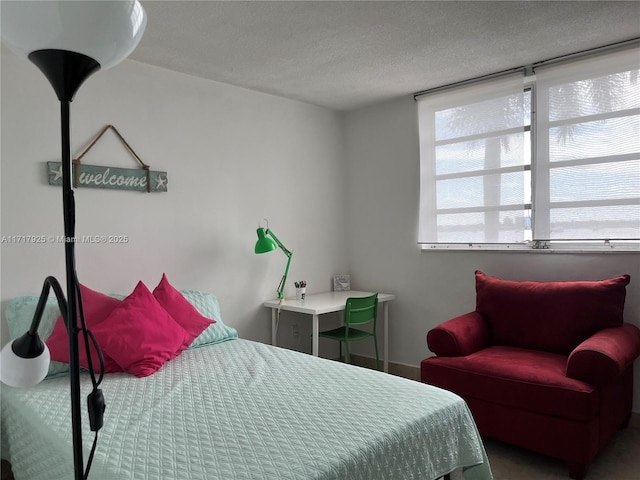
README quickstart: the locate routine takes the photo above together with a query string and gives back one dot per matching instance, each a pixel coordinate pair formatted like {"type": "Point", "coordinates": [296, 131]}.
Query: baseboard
{"type": "Point", "coordinates": [399, 369]}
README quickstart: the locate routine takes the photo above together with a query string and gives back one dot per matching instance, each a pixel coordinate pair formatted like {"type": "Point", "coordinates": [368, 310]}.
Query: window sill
{"type": "Point", "coordinates": [528, 248]}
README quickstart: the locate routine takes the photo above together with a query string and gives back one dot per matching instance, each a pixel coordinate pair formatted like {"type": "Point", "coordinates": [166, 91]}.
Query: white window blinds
{"type": "Point", "coordinates": [587, 184]}
{"type": "Point", "coordinates": [547, 161]}
{"type": "Point", "coordinates": [475, 164]}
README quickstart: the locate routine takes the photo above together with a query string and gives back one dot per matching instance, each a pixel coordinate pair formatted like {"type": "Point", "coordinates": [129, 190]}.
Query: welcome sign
{"type": "Point", "coordinates": [143, 179]}
{"type": "Point", "coordinates": [94, 176]}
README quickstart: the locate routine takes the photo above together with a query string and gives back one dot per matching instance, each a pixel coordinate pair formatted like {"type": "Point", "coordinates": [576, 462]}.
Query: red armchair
{"type": "Point", "coordinates": [547, 366]}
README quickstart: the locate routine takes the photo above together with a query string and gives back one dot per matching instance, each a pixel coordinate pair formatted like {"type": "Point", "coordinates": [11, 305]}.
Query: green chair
{"type": "Point", "coordinates": [357, 311]}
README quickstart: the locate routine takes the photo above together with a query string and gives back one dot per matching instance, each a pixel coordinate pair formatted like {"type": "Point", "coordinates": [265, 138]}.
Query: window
{"type": "Point", "coordinates": [533, 162]}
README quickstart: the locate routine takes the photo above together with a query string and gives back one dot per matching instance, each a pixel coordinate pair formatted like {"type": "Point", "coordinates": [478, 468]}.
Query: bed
{"type": "Point", "coordinates": [236, 409]}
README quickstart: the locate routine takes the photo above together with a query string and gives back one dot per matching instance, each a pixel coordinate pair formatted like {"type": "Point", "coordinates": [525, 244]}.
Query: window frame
{"type": "Point", "coordinates": [535, 245]}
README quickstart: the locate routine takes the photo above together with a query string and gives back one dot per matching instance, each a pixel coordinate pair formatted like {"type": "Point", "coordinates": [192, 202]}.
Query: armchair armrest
{"type": "Point", "coordinates": [605, 355]}
{"type": "Point", "coordinates": [459, 336]}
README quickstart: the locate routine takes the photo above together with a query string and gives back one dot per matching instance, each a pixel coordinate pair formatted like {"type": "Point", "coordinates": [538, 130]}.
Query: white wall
{"type": "Point", "coordinates": [233, 157]}
{"type": "Point", "coordinates": [383, 173]}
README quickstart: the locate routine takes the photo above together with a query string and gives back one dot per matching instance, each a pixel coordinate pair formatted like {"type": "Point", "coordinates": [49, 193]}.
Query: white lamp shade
{"type": "Point", "coordinates": [106, 31]}
{"type": "Point", "coordinates": [23, 372]}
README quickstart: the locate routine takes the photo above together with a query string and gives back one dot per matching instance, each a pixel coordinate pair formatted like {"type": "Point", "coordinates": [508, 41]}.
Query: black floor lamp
{"type": "Point", "coordinates": [68, 42]}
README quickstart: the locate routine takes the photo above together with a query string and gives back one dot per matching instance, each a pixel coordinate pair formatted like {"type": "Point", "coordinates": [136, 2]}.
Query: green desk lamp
{"type": "Point", "coordinates": [266, 244]}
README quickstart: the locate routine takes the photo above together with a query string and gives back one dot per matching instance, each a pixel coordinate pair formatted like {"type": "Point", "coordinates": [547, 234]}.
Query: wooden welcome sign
{"type": "Point", "coordinates": [141, 179]}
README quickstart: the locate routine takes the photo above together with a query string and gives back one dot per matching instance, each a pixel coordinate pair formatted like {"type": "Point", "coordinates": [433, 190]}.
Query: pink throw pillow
{"type": "Point", "coordinates": [140, 335]}
{"type": "Point", "coordinates": [97, 307]}
{"type": "Point", "coordinates": [180, 309]}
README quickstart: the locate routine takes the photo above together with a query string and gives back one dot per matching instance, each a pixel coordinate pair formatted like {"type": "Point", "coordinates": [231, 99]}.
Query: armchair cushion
{"type": "Point", "coordinates": [605, 355]}
{"type": "Point", "coordinates": [459, 336]}
{"type": "Point", "coordinates": [529, 380]}
{"type": "Point", "coordinates": [550, 316]}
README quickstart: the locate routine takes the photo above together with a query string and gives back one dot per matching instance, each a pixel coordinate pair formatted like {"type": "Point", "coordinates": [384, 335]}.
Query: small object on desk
{"type": "Point", "coordinates": [341, 283]}
{"type": "Point", "coordinates": [301, 289]}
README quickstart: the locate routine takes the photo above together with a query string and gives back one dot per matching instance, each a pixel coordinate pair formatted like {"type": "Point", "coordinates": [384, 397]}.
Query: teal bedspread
{"type": "Point", "coordinates": [245, 410]}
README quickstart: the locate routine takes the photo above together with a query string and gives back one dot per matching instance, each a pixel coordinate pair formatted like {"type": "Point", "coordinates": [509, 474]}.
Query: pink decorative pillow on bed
{"type": "Point", "coordinates": [97, 307]}
{"type": "Point", "coordinates": [140, 335]}
{"type": "Point", "coordinates": [180, 309]}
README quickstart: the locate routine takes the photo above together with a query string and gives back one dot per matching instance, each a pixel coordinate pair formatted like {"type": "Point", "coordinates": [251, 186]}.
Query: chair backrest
{"type": "Point", "coordinates": [549, 316]}
{"type": "Point", "coordinates": [359, 310]}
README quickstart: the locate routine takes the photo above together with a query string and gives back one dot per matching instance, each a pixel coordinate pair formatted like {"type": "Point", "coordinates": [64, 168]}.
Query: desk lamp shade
{"type": "Point", "coordinates": [24, 361]}
{"type": "Point", "coordinates": [264, 244]}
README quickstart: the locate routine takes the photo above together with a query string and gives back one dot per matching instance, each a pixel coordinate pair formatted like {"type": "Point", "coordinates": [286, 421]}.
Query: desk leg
{"type": "Point", "coordinates": [385, 364]}
{"type": "Point", "coordinates": [314, 348]}
{"type": "Point", "coordinates": [274, 326]}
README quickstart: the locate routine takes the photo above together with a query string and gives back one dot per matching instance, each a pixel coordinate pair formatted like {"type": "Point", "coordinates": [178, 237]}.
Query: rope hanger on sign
{"type": "Point", "coordinates": [76, 161]}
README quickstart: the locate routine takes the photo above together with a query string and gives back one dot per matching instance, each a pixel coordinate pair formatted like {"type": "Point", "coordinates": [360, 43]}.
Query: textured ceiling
{"type": "Point", "coordinates": [349, 54]}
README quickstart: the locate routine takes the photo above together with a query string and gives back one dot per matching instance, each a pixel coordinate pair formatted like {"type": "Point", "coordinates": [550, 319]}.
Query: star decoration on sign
{"type": "Point", "coordinates": [57, 174]}
{"type": "Point", "coordinates": [161, 183]}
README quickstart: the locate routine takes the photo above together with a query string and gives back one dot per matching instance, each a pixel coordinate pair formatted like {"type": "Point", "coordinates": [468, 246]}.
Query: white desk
{"type": "Point", "coordinates": [319, 303]}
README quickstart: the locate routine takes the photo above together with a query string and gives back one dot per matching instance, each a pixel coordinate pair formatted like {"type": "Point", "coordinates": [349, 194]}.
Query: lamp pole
{"type": "Point", "coordinates": [68, 206]}
{"type": "Point", "coordinates": [289, 254]}
{"type": "Point", "coordinates": [66, 71]}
